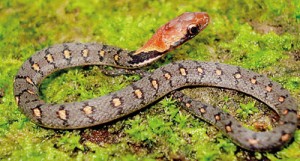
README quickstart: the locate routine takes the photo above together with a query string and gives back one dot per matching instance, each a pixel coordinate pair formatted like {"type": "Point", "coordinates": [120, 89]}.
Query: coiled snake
{"type": "Point", "coordinates": [154, 86]}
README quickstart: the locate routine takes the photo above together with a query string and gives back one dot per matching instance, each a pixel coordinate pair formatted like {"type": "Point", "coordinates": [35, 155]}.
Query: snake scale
{"type": "Point", "coordinates": [152, 87]}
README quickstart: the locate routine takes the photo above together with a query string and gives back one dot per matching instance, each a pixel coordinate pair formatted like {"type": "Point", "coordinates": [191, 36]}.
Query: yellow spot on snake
{"type": "Point", "coordinates": [285, 137]}
{"type": "Point", "coordinates": [200, 70]}
{"type": "Point", "coordinates": [202, 110]}
{"type": "Point", "coordinates": [167, 76]}
{"type": "Point", "coordinates": [182, 71]}
{"type": "Point", "coordinates": [219, 72]}
{"type": "Point", "coordinates": [37, 112]}
{"type": "Point", "coordinates": [67, 54]}
{"type": "Point", "coordinates": [17, 100]}
{"type": "Point", "coordinates": [85, 53]}
{"type": "Point", "coordinates": [188, 105]}
{"type": "Point", "coordinates": [285, 112]}
{"type": "Point", "coordinates": [269, 88]}
{"type": "Point", "coordinates": [62, 114]}
{"type": "Point", "coordinates": [238, 76]}
{"type": "Point", "coordinates": [253, 141]}
{"type": "Point", "coordinates": [36, 67]}
{"type": "Point", "coordinates": [138, 93]}
{"type": "Point", "coordinates": [29, 80]}
{"type": "Point", "coordinates": [116, 102]}
{"type": "Point", "coordinates": [228, 128]}
{"type": "Point", "coordinates": [179, 99]}
{"type": "Point", "coordinates": [88, 110]}
{"type": "Point", "coordinates": [154, 84]}
{"type": "Point", "coordinates": [116, 57]}
{"type": "Point", "coordinates": [217, 117]}
{"type": "Point", "coordinates": [253, 80]}
{"type": "Point", "coordinates": [49, 58]}
{"type": "Point", "coordinates": [30, 91]}
{"type": "Point", "coordinates": [281, 99]}
{"type": "Point", "coordinates": [102, 53]}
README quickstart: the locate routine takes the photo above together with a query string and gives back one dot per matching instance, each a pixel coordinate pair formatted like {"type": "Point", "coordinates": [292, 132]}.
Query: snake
{"type": "Point", "coordinates": [150, 88]}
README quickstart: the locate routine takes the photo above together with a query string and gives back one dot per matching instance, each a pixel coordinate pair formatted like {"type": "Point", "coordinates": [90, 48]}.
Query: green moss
{"type": "Point", "coordinates": [247, 109]}
{"type": "Point", "coordinates": [259, 51]}
{"type": "Point", "coordinates": [259, 35]}
{"type": "Point", "coordinates": [80, 85]}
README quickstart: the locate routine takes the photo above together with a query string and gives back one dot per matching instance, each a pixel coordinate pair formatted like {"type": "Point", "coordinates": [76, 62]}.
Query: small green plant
{"type": "Point", "coordinates": [246, 109]}
{"type": "Point", "coordinates": [139, 131]}
{"type": "Point", "coordinates": [69, 142]}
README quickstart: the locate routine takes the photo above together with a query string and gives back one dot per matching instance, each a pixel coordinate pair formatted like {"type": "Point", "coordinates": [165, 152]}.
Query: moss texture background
{"type": "Point", "coordinates": [263, 36]}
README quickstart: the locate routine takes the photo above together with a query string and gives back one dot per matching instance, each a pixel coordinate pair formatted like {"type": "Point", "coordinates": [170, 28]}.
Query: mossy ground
{"type": "Point", "coordinates": [259, 35]}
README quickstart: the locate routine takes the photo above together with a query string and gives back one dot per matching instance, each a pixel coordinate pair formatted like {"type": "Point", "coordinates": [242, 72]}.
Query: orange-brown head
{"type": "Point", "coordinates": [171, 35]}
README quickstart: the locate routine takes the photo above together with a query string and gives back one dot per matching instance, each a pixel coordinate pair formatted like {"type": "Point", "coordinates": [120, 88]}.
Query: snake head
{"type": "Point", "coordinates": [175, 32]}
{"type": "Point", "coordinates": [169, 36]}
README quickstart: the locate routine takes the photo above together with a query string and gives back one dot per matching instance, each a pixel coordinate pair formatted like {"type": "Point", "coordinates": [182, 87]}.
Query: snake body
{"type": "Point", "coordinates": [154, 86]}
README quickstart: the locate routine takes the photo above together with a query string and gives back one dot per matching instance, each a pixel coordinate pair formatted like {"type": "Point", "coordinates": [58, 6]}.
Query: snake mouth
{"type": "Point", "coordinates": [180, 41]}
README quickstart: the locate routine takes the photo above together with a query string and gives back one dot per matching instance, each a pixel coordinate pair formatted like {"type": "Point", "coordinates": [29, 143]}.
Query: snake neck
{"type": "Point", "coordinates": [144, 58]}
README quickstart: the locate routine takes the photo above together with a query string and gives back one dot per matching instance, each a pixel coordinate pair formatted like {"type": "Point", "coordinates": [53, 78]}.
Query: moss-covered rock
{"type": "Point", "coordinates": [259, 35]}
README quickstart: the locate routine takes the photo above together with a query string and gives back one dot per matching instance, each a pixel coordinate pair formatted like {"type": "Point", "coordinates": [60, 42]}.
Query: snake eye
{"type": "Point", "coordinates": [193, 29]}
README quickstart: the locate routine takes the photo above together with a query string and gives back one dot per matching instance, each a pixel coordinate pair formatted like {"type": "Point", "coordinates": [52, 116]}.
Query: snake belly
{"type": "Point", "coordinates": [152, 87]}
